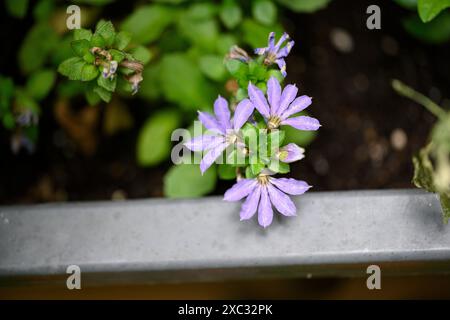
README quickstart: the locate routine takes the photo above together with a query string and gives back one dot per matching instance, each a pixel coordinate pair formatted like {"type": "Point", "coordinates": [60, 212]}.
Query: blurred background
{"type": "Point", "coordinates": [76, 151]}
{"type": "Point", "coordinates": [105, 151]}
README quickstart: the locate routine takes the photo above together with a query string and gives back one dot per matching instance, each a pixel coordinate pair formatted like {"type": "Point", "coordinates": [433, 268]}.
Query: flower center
{"type": "Point", "coordinates": [270, 58]}
{"type": "Point", "coordinates": [263, 179]}
{"type": "Point", "coordinates": [231, 138]}
{"type": "Point", "coordinates": [274, 122]}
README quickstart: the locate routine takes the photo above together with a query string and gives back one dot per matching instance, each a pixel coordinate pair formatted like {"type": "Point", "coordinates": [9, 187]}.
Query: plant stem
{"type": "Point", "coordinates": [412, 94]}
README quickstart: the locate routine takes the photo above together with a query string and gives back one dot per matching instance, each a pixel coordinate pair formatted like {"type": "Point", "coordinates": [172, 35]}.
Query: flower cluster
{"type": "Point", "coordinates": [253, 129]}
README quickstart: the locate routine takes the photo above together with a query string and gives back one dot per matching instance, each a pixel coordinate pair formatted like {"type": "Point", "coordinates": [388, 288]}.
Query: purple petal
{"type": "Point", "coordinates": [265, 212]}
{"type": "Point", "coordinates": [209, 122]}
{"type": "Point", "coordinates": [271, 41]}
{"type": "Point", "coordinates": [243, 111]}
{"type": "Point", "coordinates": [203, 142]}
{"type": "Point", "coordinates": [240, 190]}
{"type": "Point", "coordinates": [258, 100]}
{"type": "Point", "coordinates": [290, 186]}
{"type": "Point", "coordinates": [299, 104]}
{"type": "Point", "coordinates": [283, 53]}
{"type": "Point", "coordinates": [283, 38]}
{"type": "Point", "coordinates": [250, 205]}
{"type": "Point", "coordinates": [291, 153]}
{"type": "Point", "coordinates": [273, 94]}
{"type": "Point", "coordinates": [222, 113]}
{"type": "Point", "coordinates": [288, 95]}
{"type": "Point", "coordinates": [260, 51]}
{"type": "Point", "coordinates": [281, 201]}
{"type": "Point", "coordinates": [302, 123]}
{"type": "Point", "coordinates": [282, 65]}
{"type": "Point", "coordinates": [211, 156]}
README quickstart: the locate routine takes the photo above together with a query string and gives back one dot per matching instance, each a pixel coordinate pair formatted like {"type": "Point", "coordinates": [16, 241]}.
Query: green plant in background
{"type": "Point", "coordinates": [99, 58]}
{"type": "Point", "coordinates": [431, 23]}
{"type": "Point", "coordinates": [181, 43]}
{"type": "Point", "coordinates": [432, 164]}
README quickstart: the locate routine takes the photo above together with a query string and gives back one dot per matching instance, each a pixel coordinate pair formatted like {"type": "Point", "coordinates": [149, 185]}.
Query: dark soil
{"type": "Point", "coordinates": [359, 112]}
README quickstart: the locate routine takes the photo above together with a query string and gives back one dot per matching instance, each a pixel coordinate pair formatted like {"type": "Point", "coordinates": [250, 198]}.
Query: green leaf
{"type": "Point", "coordinates": [150, 88]}
{"type": "Point", "coordinates": [39, 42]}
{"type": "Point", "coordinates": [423, 171]}
{"type": "Point", "coordinates": [40, 83]}
{"type": "Point", "coordinates": [92, 97]}
{"type": "Point", "coordinates": [275, 139]}
{"type": "Point", "coordinates": [6, 93]}
{"type": "Point", "coordinates": [445, 205]}
{"type": "Point", "coordinates": [226, 172]}
{"type": "Point", "coordinates": [213, 67]}
{"type": "Point", "coordinates": [154, 144]}
{"type": "Point", "coordinates": [82, 34]}
{"type": "Point", "coordinates": [89, 57]}
{"type": "Point", "coordinates": [264, 11]}
{"type": "Point", "coordinates": [17, 8]}
{"type": "Point", "coordinates": [436, 31]}
{"type": "Point", "coordinates": [307, 6]}
{"type": "Point", "coordinates": [89, 72]}
{"type": "Point", "coordinates": [230, 14]}
{"type": "Point", "coordinates": [72, 68]}
{"type": "Point", "coordinates": [302, 138]}
{"type": "Point", "coordinates": [117, 55]}
{"type": "Point", "coordinates": [142, 54]}
{"type": "Point", "coordinates": [43, 10]}
{"type": "Point", "coordinates": [248, 173]}
{"type": "Point", "coordinates": [203, 33]}
{"type": "Point", "coordinates": [106, 30]}
{"type": "Point", "coordinates": [148, 22]}
{"type": "Point", "coordinates": [278, 166]}
{"type": "Point", "coordinates": [255, 165]}
{"type": "Point", "coordinates": [186, 181]}
{"type": "Point", "coordinates": [183, 83]}
{"type": "Point", "coordinates": [108, 84]}
{"type": "Point", "coordinates": [104, 94]}
{"type": "Point", "coordinates": [81, 47]}
{"type": "Point", "coordinates": [122, 40]}
{"type": "Point", "coordinates": [429, 9]}
{"type": "Point", "coordinates": [98, 41]}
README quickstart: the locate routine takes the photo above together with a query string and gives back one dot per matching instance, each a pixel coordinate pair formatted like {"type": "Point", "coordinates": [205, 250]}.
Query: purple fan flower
{"type": "Point", "coordinates": [290, 153]}
{"type": "Point", "coordinates": [274, 53]}
{"type": "Point", "coordinates": [263, 192]}
{"type": "Point", "coordinates": [224, 130]}
{"type": "Point", "coordinates": [279, 106]}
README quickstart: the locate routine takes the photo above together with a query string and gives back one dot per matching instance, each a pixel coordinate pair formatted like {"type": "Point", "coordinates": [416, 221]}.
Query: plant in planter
{"type": "Point", "coordinates": [432, 164]}
{"type": "Point", "coordinates": [102, 63]}
{"type": "Point", "coordinates": [253, 137]}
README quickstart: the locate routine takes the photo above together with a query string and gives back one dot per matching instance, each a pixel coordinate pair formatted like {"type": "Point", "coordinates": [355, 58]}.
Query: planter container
{"type": "Point", "coordinates": [159, 240]}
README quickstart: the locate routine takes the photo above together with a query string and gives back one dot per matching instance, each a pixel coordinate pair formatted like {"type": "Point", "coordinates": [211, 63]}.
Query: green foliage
{"type": "Point", "coordinates": [429, 9]}
{"type": "Point", "coordinates": [428, 25]}
{"type": "Point", "coordinates": [40, 83]}
{"type": "Point", "coordinates": [230, 14]}
{"type": "Point", "coordinates": [154, 144]}
{"type": "Point", "coordinates": [99, 54]}
{"type": "Point", "coordinates": [17, 8]}
{"type": "Point", "coordinates": [186, 181]}
{"type": "Point", "coordinates": [264, 11]}
{"type": "Point", "coordinates": [183, 42]}
{"type": "Point", "coordinates": [307, 6]}
{"type": "Point", "coordinates": [34, 51]}
{"type": "Point", "coordinates": [434, 32]}
{"type": "Point", "coordinates": [183, 83]}
{"type": "Point", "coordinates": [148, 22]}
{"type": "Point", "coordinates": [432, 164]}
